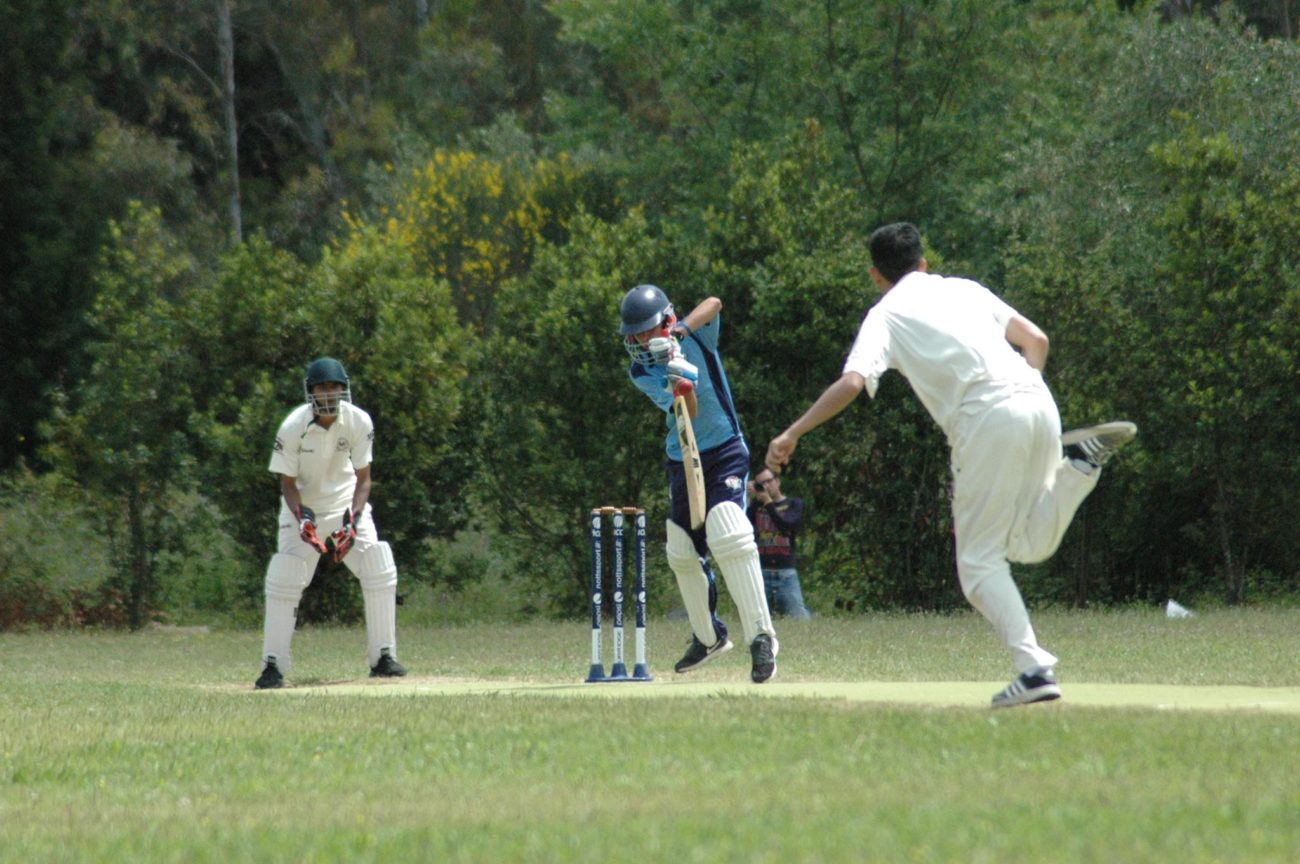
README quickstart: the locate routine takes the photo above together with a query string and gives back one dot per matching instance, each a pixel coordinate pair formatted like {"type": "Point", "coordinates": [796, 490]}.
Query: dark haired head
{"type": "Point", "coordinates": [896, 250]}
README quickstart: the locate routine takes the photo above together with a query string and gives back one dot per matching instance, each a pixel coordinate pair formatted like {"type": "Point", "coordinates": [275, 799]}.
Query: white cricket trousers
{"type": "Point", "coordinates": [1013, 498]}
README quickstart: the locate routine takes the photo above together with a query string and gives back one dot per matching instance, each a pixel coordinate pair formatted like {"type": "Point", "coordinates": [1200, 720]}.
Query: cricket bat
{"type": "Point", "coordinates": [690, 456]}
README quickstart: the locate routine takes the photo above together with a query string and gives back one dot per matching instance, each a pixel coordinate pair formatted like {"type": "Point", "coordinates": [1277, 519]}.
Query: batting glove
{"type": "Point", "coordinates": [340, 542]}
{"type": "Point", "coordinates": [662, 350]}
{"type": "Point", "coordinates": [307, 529]}
{"type": "Point", "coordinates": [679, 371]}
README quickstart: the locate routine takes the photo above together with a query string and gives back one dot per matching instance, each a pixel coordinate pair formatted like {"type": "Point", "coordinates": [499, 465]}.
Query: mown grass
{"type": "Point", "coordinates": [148, 747]}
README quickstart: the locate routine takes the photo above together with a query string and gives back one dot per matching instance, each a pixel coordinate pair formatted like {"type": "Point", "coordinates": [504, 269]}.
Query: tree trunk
{"type": "Point", "coordinates": [226, 47]}
{"type": "Point", "coordinates": [141, 589]}
{"type": "Point", "coordinates": [1234, 569]}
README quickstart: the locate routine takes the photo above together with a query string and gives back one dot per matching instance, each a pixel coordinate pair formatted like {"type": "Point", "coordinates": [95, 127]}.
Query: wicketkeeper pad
{"type": "Point", "coordinates": [286, 578]}
{"type": "Point", "coordinates": [375, 569]}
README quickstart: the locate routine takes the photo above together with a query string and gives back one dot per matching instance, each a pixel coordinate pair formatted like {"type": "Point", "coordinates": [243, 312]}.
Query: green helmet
{"type": "Point", "coordinates": [326, 370]}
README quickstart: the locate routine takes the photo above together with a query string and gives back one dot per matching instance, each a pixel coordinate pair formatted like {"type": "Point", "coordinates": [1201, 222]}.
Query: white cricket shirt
{"type": "Point", "coordinates": [947, 336]}
{"type": "Point", "coordinates": [324, 461]}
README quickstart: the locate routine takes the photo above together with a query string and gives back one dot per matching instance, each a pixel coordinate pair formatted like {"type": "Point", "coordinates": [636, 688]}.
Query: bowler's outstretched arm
{"type": "Point", "coordinates": [833, 400]}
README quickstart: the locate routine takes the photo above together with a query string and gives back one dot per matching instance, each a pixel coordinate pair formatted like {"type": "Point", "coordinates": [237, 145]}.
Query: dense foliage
{"type": "Point", "coordinates": [452, 197]}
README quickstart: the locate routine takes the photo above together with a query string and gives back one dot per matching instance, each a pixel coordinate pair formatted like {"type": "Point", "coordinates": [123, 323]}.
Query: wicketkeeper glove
{"type": "Point", "coordinates": [340, 542]}
{"type": "Point", "coordinates": [307, 529]}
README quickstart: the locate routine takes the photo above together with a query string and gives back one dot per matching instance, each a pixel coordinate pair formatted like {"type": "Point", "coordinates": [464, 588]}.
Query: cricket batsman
{"type": "Point", "coordinates": [661, 367]}
{"type": "Point", "coordinates": [323, 454]}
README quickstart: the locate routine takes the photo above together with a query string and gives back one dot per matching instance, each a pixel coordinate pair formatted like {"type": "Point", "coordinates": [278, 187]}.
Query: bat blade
{"type": "Point", "coordinates": [691, 461]}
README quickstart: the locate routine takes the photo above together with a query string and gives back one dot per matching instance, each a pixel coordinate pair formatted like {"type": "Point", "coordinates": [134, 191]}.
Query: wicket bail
{"type": "Point", "coordinates": [618, 671]}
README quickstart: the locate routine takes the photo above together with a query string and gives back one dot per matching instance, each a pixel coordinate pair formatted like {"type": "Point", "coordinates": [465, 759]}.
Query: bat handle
{"type": "Point", "coordinates": [682, 388]}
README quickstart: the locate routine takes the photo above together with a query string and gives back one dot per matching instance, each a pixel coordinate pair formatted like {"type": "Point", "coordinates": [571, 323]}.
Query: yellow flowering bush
{"type": "Point", "coordinates": [475, 221]}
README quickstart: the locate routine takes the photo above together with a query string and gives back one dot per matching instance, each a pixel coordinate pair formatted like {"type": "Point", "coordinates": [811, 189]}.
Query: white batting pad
{"type": "Point", "coordinates": [692, 582]}
{"type": "Point", "coordinates": [375, 569]}
{"type": "Point", "coordinates": [731, 540]}
{"type": "Point", "coordinates": [286, 578]}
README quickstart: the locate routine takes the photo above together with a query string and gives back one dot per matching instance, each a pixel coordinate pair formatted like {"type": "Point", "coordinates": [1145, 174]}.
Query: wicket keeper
{"type": "Point", "coordinates": [323, 455]}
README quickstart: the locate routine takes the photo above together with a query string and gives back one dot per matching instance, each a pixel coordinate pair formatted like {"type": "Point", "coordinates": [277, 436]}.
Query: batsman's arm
{"type": "Point", "coordinates": [701, 315]}
{"type": "Point", "coordinates": [833, 400]}
{"type": "Point", "coordinates": [1032, 342]}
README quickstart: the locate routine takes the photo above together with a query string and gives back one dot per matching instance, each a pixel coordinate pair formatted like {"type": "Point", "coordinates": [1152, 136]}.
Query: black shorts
{"type": "Point", "coordinates": [726, 471]}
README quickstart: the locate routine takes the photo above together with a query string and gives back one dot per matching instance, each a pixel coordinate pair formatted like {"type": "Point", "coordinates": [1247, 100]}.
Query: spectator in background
{"type": "Point", "coordinates": [776, 521]}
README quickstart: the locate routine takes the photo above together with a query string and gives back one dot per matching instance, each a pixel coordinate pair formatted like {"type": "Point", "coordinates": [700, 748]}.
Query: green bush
{"type": "Point", "coordinates": [55, 563]}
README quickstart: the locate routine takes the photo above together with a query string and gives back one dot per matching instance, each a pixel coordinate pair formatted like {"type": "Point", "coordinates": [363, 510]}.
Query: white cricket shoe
{"type": "Point", "coordinates": [1096, 444]}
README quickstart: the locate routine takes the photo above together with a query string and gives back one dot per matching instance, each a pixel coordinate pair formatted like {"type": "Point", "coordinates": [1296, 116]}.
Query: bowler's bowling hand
{"type": "Point", "coordinates": [780, 451]}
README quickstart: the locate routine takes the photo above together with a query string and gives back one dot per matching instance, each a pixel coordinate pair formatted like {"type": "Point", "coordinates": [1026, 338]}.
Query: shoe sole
{"type": "Point", "coordinates": [1118, 432]}
{"type": "Point", "coordinates": [714, 652]}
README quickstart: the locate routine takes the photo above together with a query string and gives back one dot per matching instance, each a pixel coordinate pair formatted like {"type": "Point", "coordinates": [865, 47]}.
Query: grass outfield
{"type": "Point", "coordinates": [152, 747]}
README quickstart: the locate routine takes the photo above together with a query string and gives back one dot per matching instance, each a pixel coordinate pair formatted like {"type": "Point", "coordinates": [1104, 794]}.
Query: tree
{"type": "Point", "coordinates": [1229, 285]}
{"type": "Point", "coordinates": [123, 434]}
{"type": "Point", "coordinates": [1125, 236]}
{"type": "Point", "coordinates": [914, 98]}
{"type": "Point", "coordinates": [66, 167]}
{"type": "Point", "coordinates": [226, 51]}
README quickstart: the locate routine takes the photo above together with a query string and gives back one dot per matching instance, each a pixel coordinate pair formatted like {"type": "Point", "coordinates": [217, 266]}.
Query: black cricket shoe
{"type": "Point", "coordinates": [270, 679]}
{"type": "Point", "coordinates": [387, 667]}
{"type": "Point", "coordinates": [1036, 686]}
{"type": "Point", "coordinates": [763, 651]}
{"type": "Point", "coordinates": [697, 654]}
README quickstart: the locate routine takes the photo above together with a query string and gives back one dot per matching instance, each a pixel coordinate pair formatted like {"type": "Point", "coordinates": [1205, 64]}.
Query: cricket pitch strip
{"type": "Point", "coordinates": [955, 694]}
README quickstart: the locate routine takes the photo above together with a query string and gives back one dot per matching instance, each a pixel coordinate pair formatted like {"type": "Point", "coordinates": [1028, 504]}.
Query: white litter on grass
{"type": "Point", "coordinates": [1174, 609]}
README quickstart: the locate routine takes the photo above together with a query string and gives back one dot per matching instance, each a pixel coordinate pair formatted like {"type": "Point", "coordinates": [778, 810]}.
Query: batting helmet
{"type": "Point", "coordinates": [643, 307]}
{"type": "Point", "coordinates": [326, 370]}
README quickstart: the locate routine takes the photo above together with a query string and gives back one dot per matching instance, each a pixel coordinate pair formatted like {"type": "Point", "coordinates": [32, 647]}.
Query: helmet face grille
{"type": "Point", "coordinates": [327, 404]}
{"type": "Point", "coordinates": [638, 352]}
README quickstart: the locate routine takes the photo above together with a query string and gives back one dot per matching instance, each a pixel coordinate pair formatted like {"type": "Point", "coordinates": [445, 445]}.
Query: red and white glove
{"type": "Point", "coordinates": [340, 542]}
{"type": "Point", "coordinates": [307, 529]}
